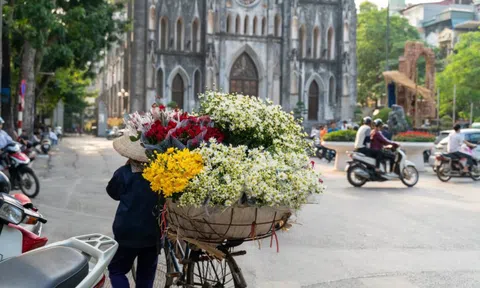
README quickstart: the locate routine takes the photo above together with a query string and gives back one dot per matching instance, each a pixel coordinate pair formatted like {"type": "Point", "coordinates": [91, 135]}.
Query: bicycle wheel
{"type": "Point", "coordinates": [206, 272]}
{"type": "Point", "coordinates": [164, 269]}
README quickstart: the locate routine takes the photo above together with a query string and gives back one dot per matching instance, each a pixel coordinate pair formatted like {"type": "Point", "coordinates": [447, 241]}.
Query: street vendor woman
{"type": "Point", "coordinates": [135, 227]}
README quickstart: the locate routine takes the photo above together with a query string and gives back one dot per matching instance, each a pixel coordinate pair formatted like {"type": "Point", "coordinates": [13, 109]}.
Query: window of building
{"type": "Point", "coordinates": [179, 34]}
{"type": "Point", "coordinates": [229, 23]}
{"type": "Point", "coordinates": [197, 89]}
{"type": "Point", "coordinates": [278, 26]}
{"type": "Point", "coordinates": [264, 26]}
{"type": "Point", "coordinates": [316, 43]}
{"type": "Point", "coordinates": [331, 92]}
{"type": "Point", "coordinates": [302, 41]}
{"type": "Point", "coordinates": [255, 24]}
{"type": "Point", "coordinates": [159, 83]}
{"type": "Point", "coordinates": [163, 33]}
{"type": "Point", "coordinates": [331, 44]}
{"type": "Point", "coordinates": [345, 32]}
{"type": "Point", "coordinates": [237, 25]}
{"type": "Point", "coordinates": [245, 25]}
{"type": "Point", "coordinates": [178, 91]}
{"type": "Point", "coordinates": [244, 76]}
{"type": "Point", "coordinates": [313, 95]}
{"type": "Point", "coordinates": [195, 36]}
{"type": "Point", "coordinates": [151, 20]}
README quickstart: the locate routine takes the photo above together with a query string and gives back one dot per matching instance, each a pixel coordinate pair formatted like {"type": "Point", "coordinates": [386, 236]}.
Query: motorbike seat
{"type": "Point", "coordinates": [59, 267]}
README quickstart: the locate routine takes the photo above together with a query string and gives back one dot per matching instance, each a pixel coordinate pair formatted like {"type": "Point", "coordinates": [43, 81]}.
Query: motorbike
{"type": "Point", "coordinates": [361, 169]}
{"type": "Point", "coordinates": [18, 165]}
{"type": "Point", "coordinates": [28, 148]}
{"type": "Point", "coordinates": [114, 133]}
{"type": "Point", "coordinates": [45, 145]}
{"type": "Point", "coordinates": [17, 237]}
{"type": "Point", "coordinates": [449, 165]}
{"type": "Point", "coordinates": [324, 152]}
{"type": "Point", "coordinates": [76, 262]}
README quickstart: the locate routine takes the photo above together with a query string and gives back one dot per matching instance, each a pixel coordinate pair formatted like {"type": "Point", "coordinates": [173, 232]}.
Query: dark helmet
{"type": "Point", "coordinates": [367, 120]}
{"type": "Point", "coordinates": [378, 122]}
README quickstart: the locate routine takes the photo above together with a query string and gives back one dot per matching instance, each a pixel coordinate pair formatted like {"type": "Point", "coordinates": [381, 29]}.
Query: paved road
{"type": "Point", "coordinates": [382, 235]}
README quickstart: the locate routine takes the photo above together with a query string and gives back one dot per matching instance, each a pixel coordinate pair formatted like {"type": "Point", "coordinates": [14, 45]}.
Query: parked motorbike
{"type": "Point", "coordinates": [77, 262]}
{"type": "Point", "coordinates": [20, 226]}
{"type": "Point", "coordinates": [45, 145]}
{"type": "Point", "coordinates": [28, 148]}
{"type": "Point", "coordinates": [19, 169]}
{"type": "Point", "coordinates": [323, 152]}
{"type": "Point", "coordinates": [114, 133]}
{"type": "Point", "coordinates": [5, 185]}
{"type": "Point", "coordinates": [362, 169]}
{"type": "Point", "coordinates": [449, 165]}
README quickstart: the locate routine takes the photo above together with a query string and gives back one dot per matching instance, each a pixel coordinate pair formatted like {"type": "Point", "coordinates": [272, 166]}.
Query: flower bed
{"type": "Point", "coordinates": [238, 152]}
{"type": "Point", "coordinates": [414, 136]}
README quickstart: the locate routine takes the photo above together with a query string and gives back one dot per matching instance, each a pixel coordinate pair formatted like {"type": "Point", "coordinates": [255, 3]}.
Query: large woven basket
{"type": "Point", "coordinates": [217, 224]}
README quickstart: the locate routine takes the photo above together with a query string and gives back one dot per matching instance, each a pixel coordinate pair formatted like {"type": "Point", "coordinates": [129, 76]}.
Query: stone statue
{"type": "Point", "coordinates": [397, 122]}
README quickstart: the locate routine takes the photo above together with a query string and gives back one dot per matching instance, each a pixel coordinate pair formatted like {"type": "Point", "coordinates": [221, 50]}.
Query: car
{"type": "Point", "coordinates": [476, 125]}
{"type": "Point", "coordinates": [472, 135]}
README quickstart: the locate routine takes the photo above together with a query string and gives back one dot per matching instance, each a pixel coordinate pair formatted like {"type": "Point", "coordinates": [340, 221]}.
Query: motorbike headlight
{"type": "Point", "coordinates": [11, 213]}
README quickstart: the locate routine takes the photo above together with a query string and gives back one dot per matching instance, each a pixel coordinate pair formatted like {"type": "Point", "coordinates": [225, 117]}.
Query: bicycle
{"type": "Point", "coordinates": [185, 264]}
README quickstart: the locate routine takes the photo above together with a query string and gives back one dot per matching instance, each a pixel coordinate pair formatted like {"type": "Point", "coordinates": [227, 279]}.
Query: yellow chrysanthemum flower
{"type": "Point", "coordinates": [171, 171]}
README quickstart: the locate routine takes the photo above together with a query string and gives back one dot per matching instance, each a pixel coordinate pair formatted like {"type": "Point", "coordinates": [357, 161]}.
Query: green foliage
{"type": "Point", "coordinates": [300, 110]}
{"type": "Point", "coordinates": [358, 114]}
{"type": "Point", "coordinates": [462, 69]}
{"type": "Point", "coordinates": [383, 114]}
{"type": "Point", "coordinates": [446, 122]}
{"type": "Point", "coordinates": [340, 136]}
{"type": "Point", "coordinates": [371, 35]}
{"type": "Point", "coordinates": [172, 105]}
{"type": "Point", "coordinates": [68, 37]}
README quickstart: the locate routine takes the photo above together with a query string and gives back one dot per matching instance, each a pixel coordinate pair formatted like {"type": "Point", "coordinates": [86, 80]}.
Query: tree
{"type": "Point", "coordinates": [50, 35]}
{"type": "Point", "coordinates": [462, 69]}
{"type": "Point", "coordinates": [371, 35]}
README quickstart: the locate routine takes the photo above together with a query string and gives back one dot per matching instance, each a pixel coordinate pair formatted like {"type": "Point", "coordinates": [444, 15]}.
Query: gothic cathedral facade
{"type": "Point", "coordinates": [288, 51]}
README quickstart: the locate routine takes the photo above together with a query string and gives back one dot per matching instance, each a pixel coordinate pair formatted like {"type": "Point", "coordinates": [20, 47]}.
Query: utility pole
{"type": "Point", "coordinates": [438, 107]}
{"type": "Point", "coordinates": [454, 101]}
{"type": "Point", "coordinates": [471, 114]}
{"type": "Point", "coordinates": [387, 36]}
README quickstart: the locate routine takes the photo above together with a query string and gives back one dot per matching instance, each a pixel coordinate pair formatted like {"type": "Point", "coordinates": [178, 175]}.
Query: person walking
{"type": "Point", "coordinates": [135, 226]}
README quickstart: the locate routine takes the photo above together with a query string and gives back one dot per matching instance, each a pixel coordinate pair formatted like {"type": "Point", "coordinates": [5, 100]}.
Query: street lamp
{"type": "Point", "coordinates": [123, 95]}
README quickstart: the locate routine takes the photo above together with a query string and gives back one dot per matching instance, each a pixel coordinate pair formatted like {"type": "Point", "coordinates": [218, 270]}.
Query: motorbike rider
{"type": "Point", "coordinates": [362, 139]}
{"type": "Point", "coordinates": [5, 139]}
{"type": "Point", "coordinates": [379, 142]}
{"type": "Point", "coordinates": [455, 141]}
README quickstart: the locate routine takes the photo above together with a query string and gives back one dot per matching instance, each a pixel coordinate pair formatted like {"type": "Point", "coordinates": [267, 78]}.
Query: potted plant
{"type": "Point", "coordinates": [415, 143]}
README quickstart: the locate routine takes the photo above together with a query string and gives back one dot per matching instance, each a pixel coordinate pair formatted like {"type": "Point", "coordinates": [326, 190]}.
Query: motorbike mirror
{"type": "Point", "coordinates": [36, 215]}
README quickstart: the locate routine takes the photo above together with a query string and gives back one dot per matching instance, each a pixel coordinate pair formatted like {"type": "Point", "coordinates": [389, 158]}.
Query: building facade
{"type": "Point", "coordinates": [288, 51]}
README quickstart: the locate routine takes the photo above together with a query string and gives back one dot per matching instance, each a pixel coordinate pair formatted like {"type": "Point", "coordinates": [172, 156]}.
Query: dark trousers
{"type": "Point", "coordinates": [461, 155]}
{"type": "Point", "coordinates": [378, 155]}
{"type": "Point", "coordinates": [122, 264]}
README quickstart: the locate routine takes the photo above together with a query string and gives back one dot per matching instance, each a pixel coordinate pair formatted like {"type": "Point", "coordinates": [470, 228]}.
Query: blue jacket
{"type": "Point", "coordinates": [135, 225]}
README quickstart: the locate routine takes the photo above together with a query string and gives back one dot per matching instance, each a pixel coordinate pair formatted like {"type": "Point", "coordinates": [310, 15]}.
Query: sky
{"type": "Point", "coordinates": [383, 3]}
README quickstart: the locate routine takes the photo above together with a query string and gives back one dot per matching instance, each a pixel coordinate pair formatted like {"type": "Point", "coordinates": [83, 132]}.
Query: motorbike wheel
{"type": "Point", "coordinates": [354, 179]}
{"type": "Point", "coordinates": [28, 180]}
{"type": "Point", "coordinates": [440, 173]}
{"type": "Point", "coordinates": [412, 178]}
{"type": "Point", "coordinates": [475, 176]}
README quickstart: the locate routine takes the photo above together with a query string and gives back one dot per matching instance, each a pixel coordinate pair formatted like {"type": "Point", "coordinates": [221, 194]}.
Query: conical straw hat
{"type": "Point", "coordinates": [132, 150]}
